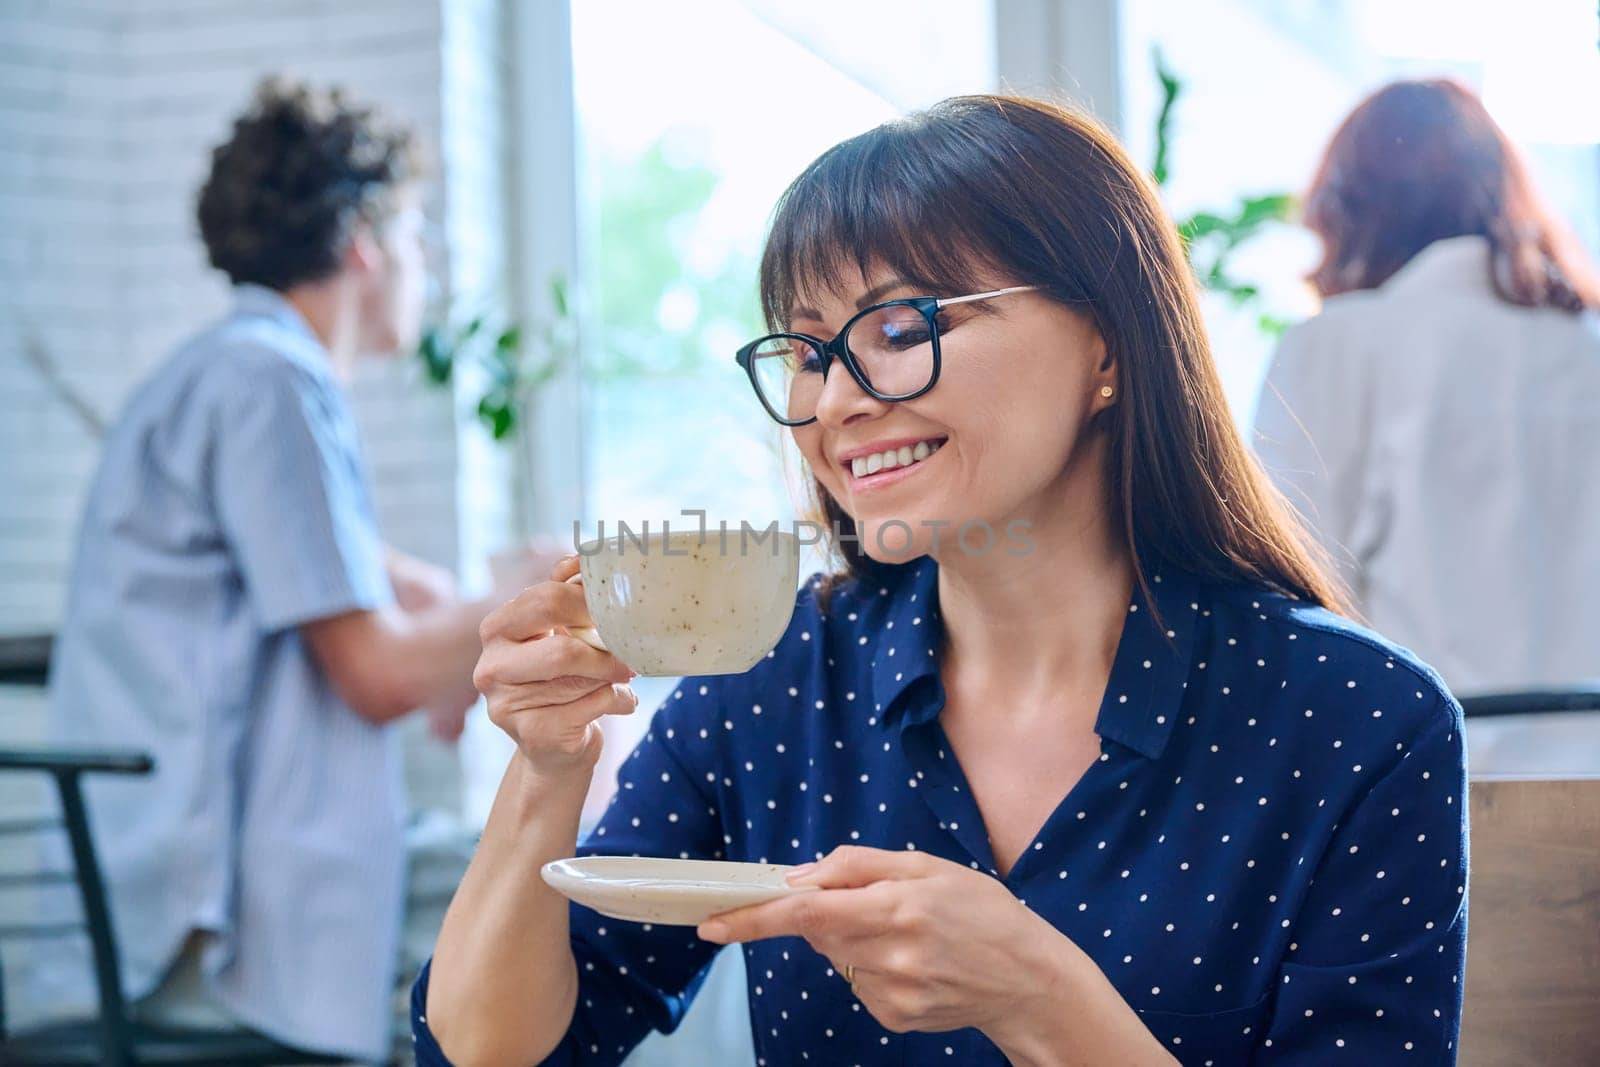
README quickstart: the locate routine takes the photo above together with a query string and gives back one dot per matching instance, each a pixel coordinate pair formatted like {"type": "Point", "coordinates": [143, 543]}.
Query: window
{"type": "Point", "coordinates": [690, 126]}
{"type": "Point", "coordinates": [1267, 83]}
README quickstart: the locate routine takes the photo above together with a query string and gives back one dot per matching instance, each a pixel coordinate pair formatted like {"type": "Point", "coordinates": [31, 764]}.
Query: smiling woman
{"type": "Point", "coordinates": [1134, 763]}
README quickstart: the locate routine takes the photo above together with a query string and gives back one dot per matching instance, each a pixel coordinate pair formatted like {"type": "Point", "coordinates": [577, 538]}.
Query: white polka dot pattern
{"type": "Point", "coordinates": [1267, 860]}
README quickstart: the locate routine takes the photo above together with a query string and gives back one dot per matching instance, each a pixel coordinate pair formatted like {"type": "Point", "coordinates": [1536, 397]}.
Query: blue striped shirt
{"type": "Point", "coordinates": [231, 505]}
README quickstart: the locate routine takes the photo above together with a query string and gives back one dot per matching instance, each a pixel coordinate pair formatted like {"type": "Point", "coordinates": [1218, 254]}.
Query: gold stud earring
{"type": "Point", "coordinates": [1106, 391]}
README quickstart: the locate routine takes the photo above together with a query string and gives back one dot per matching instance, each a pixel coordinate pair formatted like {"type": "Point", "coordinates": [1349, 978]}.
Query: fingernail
{"type": "Point", "coordinates": [713, 930]}
{"type": "Point", "coordinates": [800, 872]}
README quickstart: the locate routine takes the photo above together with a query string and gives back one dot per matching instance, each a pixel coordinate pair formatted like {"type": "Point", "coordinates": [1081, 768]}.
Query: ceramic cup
{"type": "Point", "coordinates": [684, 604]}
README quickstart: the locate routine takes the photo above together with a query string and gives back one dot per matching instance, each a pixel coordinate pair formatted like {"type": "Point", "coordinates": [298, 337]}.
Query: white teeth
{"type": "Point", "coordinates": [903, 456]}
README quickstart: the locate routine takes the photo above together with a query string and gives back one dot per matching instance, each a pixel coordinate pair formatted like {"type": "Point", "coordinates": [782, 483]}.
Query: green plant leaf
{"type": "Point", "coordinates": [558, 295]}
{"type": "Point", "coordinates": [1202, 224]}
{"type": "Point", "coordinates": [1272, 325]}
{"type": "Point", "coordinates": [497, 410]}
{"type": "Point", "coordinates": [437, 358]}
{"type": "Point", "coordinates": [1210, 237]}
{"type": "Point", "coordinates": [1171, 88]}
{"type": "Point", "coordinates": [1276, 207]}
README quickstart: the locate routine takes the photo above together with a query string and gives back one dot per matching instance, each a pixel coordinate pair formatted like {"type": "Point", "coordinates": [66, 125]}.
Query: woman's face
{"type": "Point", "coordinates": [1008, 425]}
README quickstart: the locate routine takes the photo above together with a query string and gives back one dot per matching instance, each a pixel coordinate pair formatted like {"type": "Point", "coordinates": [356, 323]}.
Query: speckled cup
{"type": "Point", "coordinates": [687, 604]}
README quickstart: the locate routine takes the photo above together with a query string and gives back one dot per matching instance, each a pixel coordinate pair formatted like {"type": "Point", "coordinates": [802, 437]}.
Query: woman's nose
{"type": "Point", "coordinates": [842, 398]}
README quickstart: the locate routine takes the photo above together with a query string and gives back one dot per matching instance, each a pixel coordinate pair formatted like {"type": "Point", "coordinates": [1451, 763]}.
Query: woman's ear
{"type": "Point", "coordinates": [1103, 383]}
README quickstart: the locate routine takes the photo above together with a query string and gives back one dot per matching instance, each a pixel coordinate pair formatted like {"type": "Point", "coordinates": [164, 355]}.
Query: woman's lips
{"type": "Point", "coordinates": [884, 478]}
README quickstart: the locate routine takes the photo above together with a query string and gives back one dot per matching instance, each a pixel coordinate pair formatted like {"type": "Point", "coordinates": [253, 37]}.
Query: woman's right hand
{"type": "Point", "coordinates": [544, 687]}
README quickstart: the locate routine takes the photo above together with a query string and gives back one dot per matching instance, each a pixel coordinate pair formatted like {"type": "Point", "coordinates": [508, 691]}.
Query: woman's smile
{"type": "Point", "coordinates": [885, 463]}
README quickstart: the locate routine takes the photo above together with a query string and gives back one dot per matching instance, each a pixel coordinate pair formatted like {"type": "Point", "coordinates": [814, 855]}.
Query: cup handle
{"type": "Point", "coordinates": [587, 634]}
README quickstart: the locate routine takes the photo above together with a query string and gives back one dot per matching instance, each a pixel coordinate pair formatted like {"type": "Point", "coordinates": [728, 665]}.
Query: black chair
{"type": "Point", "coordinates": [25, 659]}
{"type": "Point", "coordinates": [1532, 702]}
{"type": "Point", "coordinates": [112, 1039]}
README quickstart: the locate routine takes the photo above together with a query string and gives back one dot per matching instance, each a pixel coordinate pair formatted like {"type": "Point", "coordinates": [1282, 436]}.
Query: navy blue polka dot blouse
{"type": "Point", "coordinates": [1268, 859]}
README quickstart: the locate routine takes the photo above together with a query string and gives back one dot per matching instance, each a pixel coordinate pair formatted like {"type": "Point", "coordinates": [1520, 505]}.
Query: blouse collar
{"type": "Point", "coordinates": [1148, 675]}
{"type": "Point", "coordinates": [1461, 262]}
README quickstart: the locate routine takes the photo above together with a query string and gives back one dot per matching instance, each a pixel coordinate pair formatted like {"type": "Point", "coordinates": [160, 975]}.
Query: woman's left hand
{"type": "Point", "coordinates": [931, 945]}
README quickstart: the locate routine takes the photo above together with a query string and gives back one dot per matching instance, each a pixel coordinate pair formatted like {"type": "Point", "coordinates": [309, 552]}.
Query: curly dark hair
{"type": "Point", "coordinates": [300, 169]}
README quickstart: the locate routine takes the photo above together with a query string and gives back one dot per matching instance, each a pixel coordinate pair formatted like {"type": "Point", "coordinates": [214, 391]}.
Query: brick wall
{"type": "Point", "coordinates": [58, 83]}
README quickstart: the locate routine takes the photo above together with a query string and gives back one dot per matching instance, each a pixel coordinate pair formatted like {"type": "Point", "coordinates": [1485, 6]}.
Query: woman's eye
{"type": "Point", "coordinates": [910, 335]}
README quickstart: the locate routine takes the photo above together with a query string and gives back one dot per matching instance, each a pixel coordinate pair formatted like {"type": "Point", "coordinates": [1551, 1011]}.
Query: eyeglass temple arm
{"type": "Point", "coordinates": [948, 301]}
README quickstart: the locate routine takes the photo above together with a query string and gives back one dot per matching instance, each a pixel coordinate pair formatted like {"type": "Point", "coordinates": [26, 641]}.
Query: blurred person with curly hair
{"type": "Point", "coordinates": [234, 612]}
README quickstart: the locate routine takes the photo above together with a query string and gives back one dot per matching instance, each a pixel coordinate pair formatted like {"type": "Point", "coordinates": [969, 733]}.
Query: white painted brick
{"type": "Point", "coordinates": [177, 31]}
{"type": "Point", "coordinates": [30, 113]}
{"type": "Point", "coordinates": [50, 31]}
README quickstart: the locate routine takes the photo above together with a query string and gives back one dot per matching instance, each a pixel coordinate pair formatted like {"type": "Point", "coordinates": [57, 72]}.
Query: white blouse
{"type": "Point", "coordinates": [1445, 445]}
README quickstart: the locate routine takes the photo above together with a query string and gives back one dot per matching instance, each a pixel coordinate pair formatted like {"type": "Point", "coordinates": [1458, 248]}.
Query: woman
{"type": "Point", "coordinates": [1436, 421]}
{"type": "Point", "coordinates": [1128, 793]}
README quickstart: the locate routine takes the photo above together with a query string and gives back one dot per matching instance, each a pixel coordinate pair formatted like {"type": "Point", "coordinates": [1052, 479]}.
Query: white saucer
{"type": "Point", "coordinates": [666, 891]}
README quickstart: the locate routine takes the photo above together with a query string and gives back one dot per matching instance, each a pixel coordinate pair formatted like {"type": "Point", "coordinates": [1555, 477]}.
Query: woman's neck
{"type": "Point", "coordinates": [1049, 619]}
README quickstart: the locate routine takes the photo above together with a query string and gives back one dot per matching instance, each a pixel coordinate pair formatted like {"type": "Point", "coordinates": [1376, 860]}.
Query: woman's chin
{"type": "Point", "coordinates": [894, 555]}
{"type": "Point", "coordinates": [901, 539]}
{"type": "Point", "coordinates": [890, 540]}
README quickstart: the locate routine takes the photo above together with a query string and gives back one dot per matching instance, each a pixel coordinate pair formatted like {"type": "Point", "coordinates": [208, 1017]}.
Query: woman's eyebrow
{"type": "Point", "coordinates": [871, 296]}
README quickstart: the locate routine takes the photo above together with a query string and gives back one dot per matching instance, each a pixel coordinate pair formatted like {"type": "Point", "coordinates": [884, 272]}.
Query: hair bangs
{"type": "Point", "coordinates": [875, 202]}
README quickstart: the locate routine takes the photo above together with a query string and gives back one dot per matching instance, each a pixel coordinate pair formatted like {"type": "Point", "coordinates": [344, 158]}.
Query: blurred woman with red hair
{"type": "Point", "coordinates": [1436, 423]}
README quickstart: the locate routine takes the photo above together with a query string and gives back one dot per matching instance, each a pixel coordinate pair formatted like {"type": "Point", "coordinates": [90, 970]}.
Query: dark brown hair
{"type": "Point", "coordinates": [300, 168]}
{"type": "Point", "coordinates": [1420, 161]}
{"type": "Point", "coordinates": [1037, 194]}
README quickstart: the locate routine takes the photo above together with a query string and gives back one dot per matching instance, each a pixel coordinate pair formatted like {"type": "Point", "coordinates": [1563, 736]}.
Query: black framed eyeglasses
{"type": "Point", "coordinates": [890, 349]}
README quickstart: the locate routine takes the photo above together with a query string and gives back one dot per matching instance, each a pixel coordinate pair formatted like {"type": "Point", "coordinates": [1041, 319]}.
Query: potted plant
{"type": "Point", "coordinates": [503, 364]}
